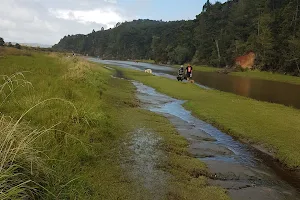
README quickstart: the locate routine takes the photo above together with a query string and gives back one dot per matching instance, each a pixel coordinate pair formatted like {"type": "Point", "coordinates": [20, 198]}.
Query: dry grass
{"type": "Point", "coordinates": [52, 166]}
{"type": "Point", "coordinates": [19, 160]}
{"type": "Point", "coordinates": [6, 51]}
{"type": "Point", "coordinates": [78, 69]}
{"type": "Point", "coordinates": [21, 163]}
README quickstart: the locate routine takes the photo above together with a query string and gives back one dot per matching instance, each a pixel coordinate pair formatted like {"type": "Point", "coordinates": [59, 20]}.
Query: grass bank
{"type": "Point", "coordinates": [201, 68]}
{"type": "Point", "coordinates": [272, 125]}
{"type": "Point", "coordinates": [146, 61]}
{"type": "Point", "coordinates": [256, 74]}
{"type": "Point", "coordinates": [268, 76]}
{"type": "Point", "coordinates": [188, 175]}
{"type": "Point", "coordinates": [63, 125]}
{"type": "Point", "coordinates": [250, 74]}
{"type": "Point", "coordinates": [72, 146]}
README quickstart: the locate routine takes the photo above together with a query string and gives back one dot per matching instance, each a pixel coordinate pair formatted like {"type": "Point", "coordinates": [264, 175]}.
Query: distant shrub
{"type": "Point", "coordinates": [18, 46]}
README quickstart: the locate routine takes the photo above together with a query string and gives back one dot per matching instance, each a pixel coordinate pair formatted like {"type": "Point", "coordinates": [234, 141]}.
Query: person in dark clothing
{"type": "Point", "coordinates": [189, 70]}
{"type": "Point", "coordinates": [180, 73]}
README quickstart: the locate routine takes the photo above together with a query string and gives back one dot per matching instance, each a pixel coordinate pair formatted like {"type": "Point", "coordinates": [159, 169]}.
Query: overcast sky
{"type": "Point", "coordinates": [47, 21]}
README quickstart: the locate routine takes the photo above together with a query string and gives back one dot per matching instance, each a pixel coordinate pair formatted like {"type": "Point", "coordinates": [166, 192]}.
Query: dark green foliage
{"type": "Point", "coordinates": [220, 33]}
{"type": "Point", "coordinates": [1, 41]}
{"type": "Point", "coordinates": [18, 46]}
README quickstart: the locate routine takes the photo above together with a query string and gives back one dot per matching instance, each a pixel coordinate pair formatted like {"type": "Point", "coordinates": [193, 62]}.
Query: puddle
{"type": "Point", "coordinates": [143, 164]}
{"type": "Point", "coordinates": [164, 104]}
{"type": "Point", "coordinates": [232, 165]}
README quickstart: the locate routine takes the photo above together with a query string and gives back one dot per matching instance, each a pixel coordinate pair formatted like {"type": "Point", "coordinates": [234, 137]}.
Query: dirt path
{"type": "Point", "coordinates": [232, 165]}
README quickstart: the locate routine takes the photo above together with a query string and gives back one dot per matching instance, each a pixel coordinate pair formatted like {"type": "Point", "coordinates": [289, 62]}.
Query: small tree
{"type": "Point", "coordinates": [1, 41]}
{"type": "Point", "coordinates": [9, 44]}
{"type": "Point", "coordinates": [18, 46]}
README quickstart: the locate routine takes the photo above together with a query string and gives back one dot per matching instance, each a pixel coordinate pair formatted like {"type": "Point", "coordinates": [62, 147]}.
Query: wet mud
{"type": "Point", "coordinates": [232, 165]}
{"type": "Point", "coordinates": [142, 165]}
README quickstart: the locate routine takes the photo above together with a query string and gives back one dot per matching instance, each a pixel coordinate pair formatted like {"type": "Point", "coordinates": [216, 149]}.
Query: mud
{"type": "Point", "coordinates": [143, 162]}
{"type": "Point", "coordinates": [232, 165]}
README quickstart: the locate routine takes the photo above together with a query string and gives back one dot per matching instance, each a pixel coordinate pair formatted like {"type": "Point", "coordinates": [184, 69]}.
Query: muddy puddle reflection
{"type": "Point", "coordinates": [232, 164]}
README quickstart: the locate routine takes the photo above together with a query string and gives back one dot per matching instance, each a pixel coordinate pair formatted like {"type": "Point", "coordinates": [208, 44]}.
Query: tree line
{"type": "Point", "coordinates": [220, 33]}
{"type": "Point", "coordinates": [9, 44]}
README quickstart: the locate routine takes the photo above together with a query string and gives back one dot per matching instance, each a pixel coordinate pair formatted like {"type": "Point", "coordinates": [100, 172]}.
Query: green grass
{"type": "Point", "coordinates": [188, 180]}
{"type": "Point", "coordinates": [205, 68]}
{"type": "Point", "coordinates": [268, 76]}
{"type": "Point", "coordinates": [77, 156]}
{"type": "Point", "coordinates": [250, 74]}
{"type": "Point", "coordinates": [147, 61]}
{"type": "Point", "coordinates": [275, 126]}
{"type": "Point", "coordinates": [81, 121]}
{"type": "Point", "coordinates": [200, 68]}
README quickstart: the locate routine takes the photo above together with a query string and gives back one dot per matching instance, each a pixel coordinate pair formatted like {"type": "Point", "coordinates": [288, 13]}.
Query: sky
{"type": "Point", "coordinates": [47, 21]}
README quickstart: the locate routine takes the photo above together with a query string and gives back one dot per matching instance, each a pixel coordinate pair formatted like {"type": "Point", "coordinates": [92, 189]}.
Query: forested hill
{"type": "Point", "coordinates": [270, 28]}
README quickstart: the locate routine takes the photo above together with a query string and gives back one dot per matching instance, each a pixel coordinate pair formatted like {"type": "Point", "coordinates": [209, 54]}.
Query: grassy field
{"type": "Point", "coordinates": [268, 76]}
{"type": "Point", "coordinates": [251, 74]}
{"type": "Point", "coordinates": [272, 125]}
{"type": "Point", "coordinates": [201, 68]}
{"type": "Point", "coordinates": [64, 123]}
{"type": "Point", "coordinates": [147, 61]}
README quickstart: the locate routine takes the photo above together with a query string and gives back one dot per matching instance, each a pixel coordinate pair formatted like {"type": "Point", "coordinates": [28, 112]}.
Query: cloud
{"type": "Point", "coordinates": [111, 1]}
{"type": "Point", "coordinates": [47, 21]}
{"type": "Point", "coordinates": [109, 17]}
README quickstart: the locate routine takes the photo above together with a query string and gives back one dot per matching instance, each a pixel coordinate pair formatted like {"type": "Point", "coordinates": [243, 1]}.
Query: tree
{"type": "Point", "coordinates": [18, 46]}
{"type": "Point", "coordinates": [220, 33]}
{"type": "Point", "coordinates": [9, 44]}
{"type": "Point", "coordinates": [2, 42]}
{"type": "Point", "coordinates": [181, 54]}
{"type": "Point", "coordinates": [206, 6]}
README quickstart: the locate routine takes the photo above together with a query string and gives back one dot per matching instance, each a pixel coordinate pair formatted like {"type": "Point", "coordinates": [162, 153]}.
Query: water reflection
{"type": "Point", "coordinates": [263, 90]}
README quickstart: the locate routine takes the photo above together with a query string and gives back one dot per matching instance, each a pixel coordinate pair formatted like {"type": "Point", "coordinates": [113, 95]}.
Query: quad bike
{"type": "Point", "coordinates": [181, 77]}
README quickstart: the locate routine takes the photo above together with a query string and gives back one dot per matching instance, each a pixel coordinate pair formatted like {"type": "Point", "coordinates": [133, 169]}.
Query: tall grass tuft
{"type": "Point", "coordinates": [19, 160]}
{"type": "Point", "coordinates": [22, 165]}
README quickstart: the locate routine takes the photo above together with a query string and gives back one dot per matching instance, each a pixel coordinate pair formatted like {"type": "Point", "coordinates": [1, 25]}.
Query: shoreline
{"type": "Point", "coordinates": [255, 74]}
{"type": "Point", "coordinates": [229, 131]}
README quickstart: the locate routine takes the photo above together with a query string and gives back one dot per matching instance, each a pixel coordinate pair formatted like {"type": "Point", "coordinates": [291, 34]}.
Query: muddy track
{"type": "Point", "coordinates": [244, 171]}
{"type": "Point", "coordinates": [143, 165]}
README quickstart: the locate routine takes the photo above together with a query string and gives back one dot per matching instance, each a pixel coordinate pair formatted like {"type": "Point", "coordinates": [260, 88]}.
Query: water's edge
{"type": "Point", "coordinates": [240, 165]}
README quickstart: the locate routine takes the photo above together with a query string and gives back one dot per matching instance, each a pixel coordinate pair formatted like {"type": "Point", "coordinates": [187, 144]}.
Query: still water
{"type": "Point", "coordinates": [263, 90]}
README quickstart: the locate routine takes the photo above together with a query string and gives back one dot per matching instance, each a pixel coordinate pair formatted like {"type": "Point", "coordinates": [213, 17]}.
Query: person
{"type": "Point", "coordinates": [189, 70]}
{"type": "Point", "coordinates": [180, 73]}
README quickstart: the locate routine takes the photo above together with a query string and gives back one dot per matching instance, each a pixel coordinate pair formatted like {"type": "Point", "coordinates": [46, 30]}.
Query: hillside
{"type": "Point", "coordinates": [220, 33]}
